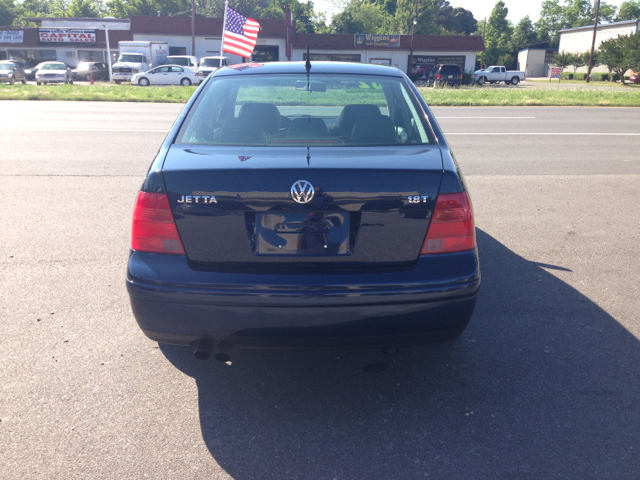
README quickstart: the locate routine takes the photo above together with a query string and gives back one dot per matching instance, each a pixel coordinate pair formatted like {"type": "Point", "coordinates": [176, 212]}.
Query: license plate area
{"type": "Point", "coordinates": [302, 233]}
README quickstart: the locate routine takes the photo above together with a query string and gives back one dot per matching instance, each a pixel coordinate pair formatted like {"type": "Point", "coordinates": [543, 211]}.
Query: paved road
{"type": "Point", "coordinates": [544, 383]}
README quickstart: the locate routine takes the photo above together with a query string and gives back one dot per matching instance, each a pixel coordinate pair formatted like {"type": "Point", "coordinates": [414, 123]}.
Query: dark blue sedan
{"type": "Point", "coordinates": [303, 206]}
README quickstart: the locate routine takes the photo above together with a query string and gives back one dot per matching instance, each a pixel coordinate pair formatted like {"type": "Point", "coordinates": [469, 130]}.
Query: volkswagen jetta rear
{"type": "Point", "coordinates": [304, 209]}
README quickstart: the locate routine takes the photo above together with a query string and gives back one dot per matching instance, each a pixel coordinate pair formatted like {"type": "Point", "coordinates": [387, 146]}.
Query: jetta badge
{"type": "Point", "coordinates": [302, 191]}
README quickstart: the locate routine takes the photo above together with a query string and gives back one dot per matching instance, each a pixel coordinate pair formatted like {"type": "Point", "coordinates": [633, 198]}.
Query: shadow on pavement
{"type": "Point", "coordinates": [543, 384]}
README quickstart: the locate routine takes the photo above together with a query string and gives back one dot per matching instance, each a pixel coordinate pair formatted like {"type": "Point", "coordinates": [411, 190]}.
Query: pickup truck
{"type": "Point", "coordinates": [495, 74]}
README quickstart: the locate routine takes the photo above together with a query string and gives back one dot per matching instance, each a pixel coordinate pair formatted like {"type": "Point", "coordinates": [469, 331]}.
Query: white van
{"type": "Point", "coordinates": [210, 64]}
{"type": "Point", "coordinates": [187, 61]}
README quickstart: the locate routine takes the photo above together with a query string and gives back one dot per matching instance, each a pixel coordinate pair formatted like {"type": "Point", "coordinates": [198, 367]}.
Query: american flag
{"type": "Point", "coordinates": [240, 34]}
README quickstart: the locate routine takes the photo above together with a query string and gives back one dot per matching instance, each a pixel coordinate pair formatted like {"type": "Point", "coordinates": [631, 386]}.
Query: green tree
{"type": "Point", "coordinates": [7, 12]}
{"type": "Point", "coordinates": [85, 9]}
{"type": "Point", "coordinates": [629, 10]}
{"type": "Point", "coordinates": [524, 35]}
{"type": "Point", "coordinates": [498, 36]}
{"type": "Point", "coordinates": [466, 23]}
{"type": "Point", "coordinates": [578, 60]}
{"type": "Point", "coordinates": [301, 12]}
{"type": "Point", "coordinates": [360, 17]}
{"type": "Point", "coordinates": [562, 60]}
{"type": "Point", "coordinates": [617, 54]}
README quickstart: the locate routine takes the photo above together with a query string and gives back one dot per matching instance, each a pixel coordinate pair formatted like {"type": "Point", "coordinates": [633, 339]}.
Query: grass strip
{"type": "Point", "coordinates": [514, 97]}
{"type": "Point", "coordinates": [97, 93]}
{"type": "Point", "coordinates": [475, 96]}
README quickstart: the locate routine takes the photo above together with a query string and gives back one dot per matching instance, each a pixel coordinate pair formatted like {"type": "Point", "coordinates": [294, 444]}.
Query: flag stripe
{"type": "Point", "coordinates": [240, 33]}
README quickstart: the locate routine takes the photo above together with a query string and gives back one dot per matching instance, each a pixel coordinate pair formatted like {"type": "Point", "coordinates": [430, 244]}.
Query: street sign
{"type": "Point", "coordinates": [556, 72]}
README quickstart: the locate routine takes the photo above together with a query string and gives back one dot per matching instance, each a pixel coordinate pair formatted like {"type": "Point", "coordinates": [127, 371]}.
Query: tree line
{"type": "Point", "coordinates": [503, 40]}
{"type": "Point", "coordinates": [619, 55]}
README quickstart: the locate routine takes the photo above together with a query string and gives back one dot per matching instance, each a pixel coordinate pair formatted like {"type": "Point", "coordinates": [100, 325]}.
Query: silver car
{"type": "Point", "coordinates": [54, 72]}
{"type": "Point", "coordinates": [11, 72]}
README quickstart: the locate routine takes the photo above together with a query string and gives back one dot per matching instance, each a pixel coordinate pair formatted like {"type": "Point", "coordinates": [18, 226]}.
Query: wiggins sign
{"type": "Point", "coordinates": [366, 40]}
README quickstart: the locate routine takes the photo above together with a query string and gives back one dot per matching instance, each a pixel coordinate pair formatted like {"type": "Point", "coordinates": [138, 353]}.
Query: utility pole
{"type": "Point", "coordinates": [193, 27]}
{"type": "Point", "coordinates": [413, 31]}
{"type": "Point", "coordinates": [593, 42]}
{"type": "Point", "coordinates": [484, 34]}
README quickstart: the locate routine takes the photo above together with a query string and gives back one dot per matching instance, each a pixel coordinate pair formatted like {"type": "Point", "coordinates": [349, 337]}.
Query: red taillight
{"type": "Point", "coordinates": [452, 228]}
{"type": "Point", "coordinates": [438, 75]}
{"type": "Point", "coordinates": [153, 228]}
{"type": "Point", "coordinates": [460, 77]}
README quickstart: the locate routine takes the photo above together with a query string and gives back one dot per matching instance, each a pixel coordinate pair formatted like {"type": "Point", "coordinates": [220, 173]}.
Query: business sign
{"type": "Point", "coordinates": [366, 40]}
{"type": "Point", "coordinates": [11, 36]}
{"type": "Point", "coordinates": [66, 35]}
{"type": "Point", "coordinates": [556, 72]}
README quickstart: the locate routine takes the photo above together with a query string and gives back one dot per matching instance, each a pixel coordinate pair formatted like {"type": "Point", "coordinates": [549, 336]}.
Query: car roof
{"type": "Point", "coordinates": [316, 67]}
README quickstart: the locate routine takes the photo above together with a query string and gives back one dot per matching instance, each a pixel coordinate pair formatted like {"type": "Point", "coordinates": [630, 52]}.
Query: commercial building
{"type": "Point", "coordinates": [74, 40]}
{"type": "Point", "coordinates": [578, 40]}
{"type": "Point", "coordinates": [536, 62]}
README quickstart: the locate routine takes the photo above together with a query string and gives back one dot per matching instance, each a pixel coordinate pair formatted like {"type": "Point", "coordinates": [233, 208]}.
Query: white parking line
{"type": "Point", "coordinates": [551, 133]}
{"type": "Point", "coordinates": [14, 129]}
{"type": "Point", "coordinates": [483, 118]}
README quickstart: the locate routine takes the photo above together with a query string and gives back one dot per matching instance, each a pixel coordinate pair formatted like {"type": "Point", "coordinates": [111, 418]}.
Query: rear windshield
{"type": "Point", "coordinates": [178, 61]}
{"type": "Point", "coordinates": [449, 69]}
{"type": "Point", "coordinates": [319, 110]}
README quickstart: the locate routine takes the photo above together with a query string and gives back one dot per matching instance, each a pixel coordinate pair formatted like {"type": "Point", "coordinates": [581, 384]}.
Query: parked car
{"type": "Point", "coordinates": [445, 75]}
{"type": "Point", "coordinates": [188, 61]}
{"type": "Point", "coordinates": [11, 72]}
{"type": "Point", "coordinates": [31, 71]}
{"type": "Point", "coordinates": [54, 72]}
{"type": "Point", "coordinates": [267, 223]}
{"type": "Point", "coordinates": [634, 78]}
{"type": "Point", "coordinates": [166, 75]}
{"type": "Point", "coordinates": [210, 64]}
{"type": "Point", "coordinates": [84, 70]}
{"type": "Point", "coordinates": [497, 74]}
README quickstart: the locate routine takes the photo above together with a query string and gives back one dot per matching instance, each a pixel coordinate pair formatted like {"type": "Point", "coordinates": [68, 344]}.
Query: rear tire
{"type": "Point", "coordinates": [12, 80]}
{"type": "Point", "coordinates": [38, 83]}
{"type": "Point", "coordinates": [118, 82]}
{"type": "Point", "coordinates": [24, 81]}
{"type": "Point", "coordinates": [144, 82]}
{"type": "Point", "coordinates": [481, 81]}
{"type": "Point", "coordinates": [515, 81]}
{"type": "Point", "coordinates": [185, 82]}
{"type": "Point", "coordinates": [71, 81]}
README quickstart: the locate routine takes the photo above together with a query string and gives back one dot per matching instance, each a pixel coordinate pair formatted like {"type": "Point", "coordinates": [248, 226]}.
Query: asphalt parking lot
{"type": "Point", "coordinates": [543, 384]}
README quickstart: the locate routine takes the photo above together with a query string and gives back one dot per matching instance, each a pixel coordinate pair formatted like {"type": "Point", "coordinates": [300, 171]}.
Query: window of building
{"type": "Point", "coordinates": [333, 57]}
{"type": "Point", "coordinates": [91, 56]}
{"type": "Point", "coordinates": [265, 53]}
{"type": "Point", "coordinates": [177, 51]}
{"type": "Point", "coordinates": [380, 61]}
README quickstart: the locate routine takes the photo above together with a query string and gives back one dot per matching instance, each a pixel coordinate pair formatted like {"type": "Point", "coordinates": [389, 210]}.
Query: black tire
{"type": "Point", "coordinates": [144, 82]}
{"type": "Point", "coordinates": [118, 82]}
{"type": "Point", "coordinates": [185, 82]}
{"type": "Point", "coordinates": [24, 81]}
{"type": "Point", "coordinates": [12, 80]}
{"type": "Point", "coordinates": [481, 81]}
{"type": "Point", "coordinates": [515, 81]}
{"type": "Point", "coordinates": [71, 81]}
{"type": "Point", "coordinates": [38, 83]}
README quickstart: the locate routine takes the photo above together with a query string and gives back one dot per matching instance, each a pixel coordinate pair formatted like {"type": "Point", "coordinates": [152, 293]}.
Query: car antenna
{"type": "Point", "coordinates": [307, 65]}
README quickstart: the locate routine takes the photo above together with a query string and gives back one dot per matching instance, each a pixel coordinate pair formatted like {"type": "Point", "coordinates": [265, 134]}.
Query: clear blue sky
{"type": "Point", "coordinates": [480, 8]}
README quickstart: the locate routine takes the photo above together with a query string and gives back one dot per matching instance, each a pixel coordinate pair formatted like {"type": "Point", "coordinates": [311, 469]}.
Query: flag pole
{"type": "Point", "coordinates": [224, 27]}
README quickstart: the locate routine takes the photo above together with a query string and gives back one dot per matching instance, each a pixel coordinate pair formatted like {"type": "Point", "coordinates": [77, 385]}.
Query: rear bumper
{"type": "Point", "coordinates": [433, 301]}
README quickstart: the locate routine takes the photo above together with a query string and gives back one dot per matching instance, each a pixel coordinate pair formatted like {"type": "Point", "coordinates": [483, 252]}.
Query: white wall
{"type": "Point", "coordinates": [580, 41]}
{"type": "Point", "coordinates": [207, 46]}
{"type": "Point", "coordinates": [399, 58]}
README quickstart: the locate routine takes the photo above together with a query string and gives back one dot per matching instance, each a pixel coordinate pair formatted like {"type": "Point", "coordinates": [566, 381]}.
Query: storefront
{"type": "Point", "coordinates": [393, 50]}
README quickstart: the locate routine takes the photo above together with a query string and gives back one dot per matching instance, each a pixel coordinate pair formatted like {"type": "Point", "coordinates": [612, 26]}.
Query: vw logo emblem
{"type": "Point", "coordinates": [302, 191]}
